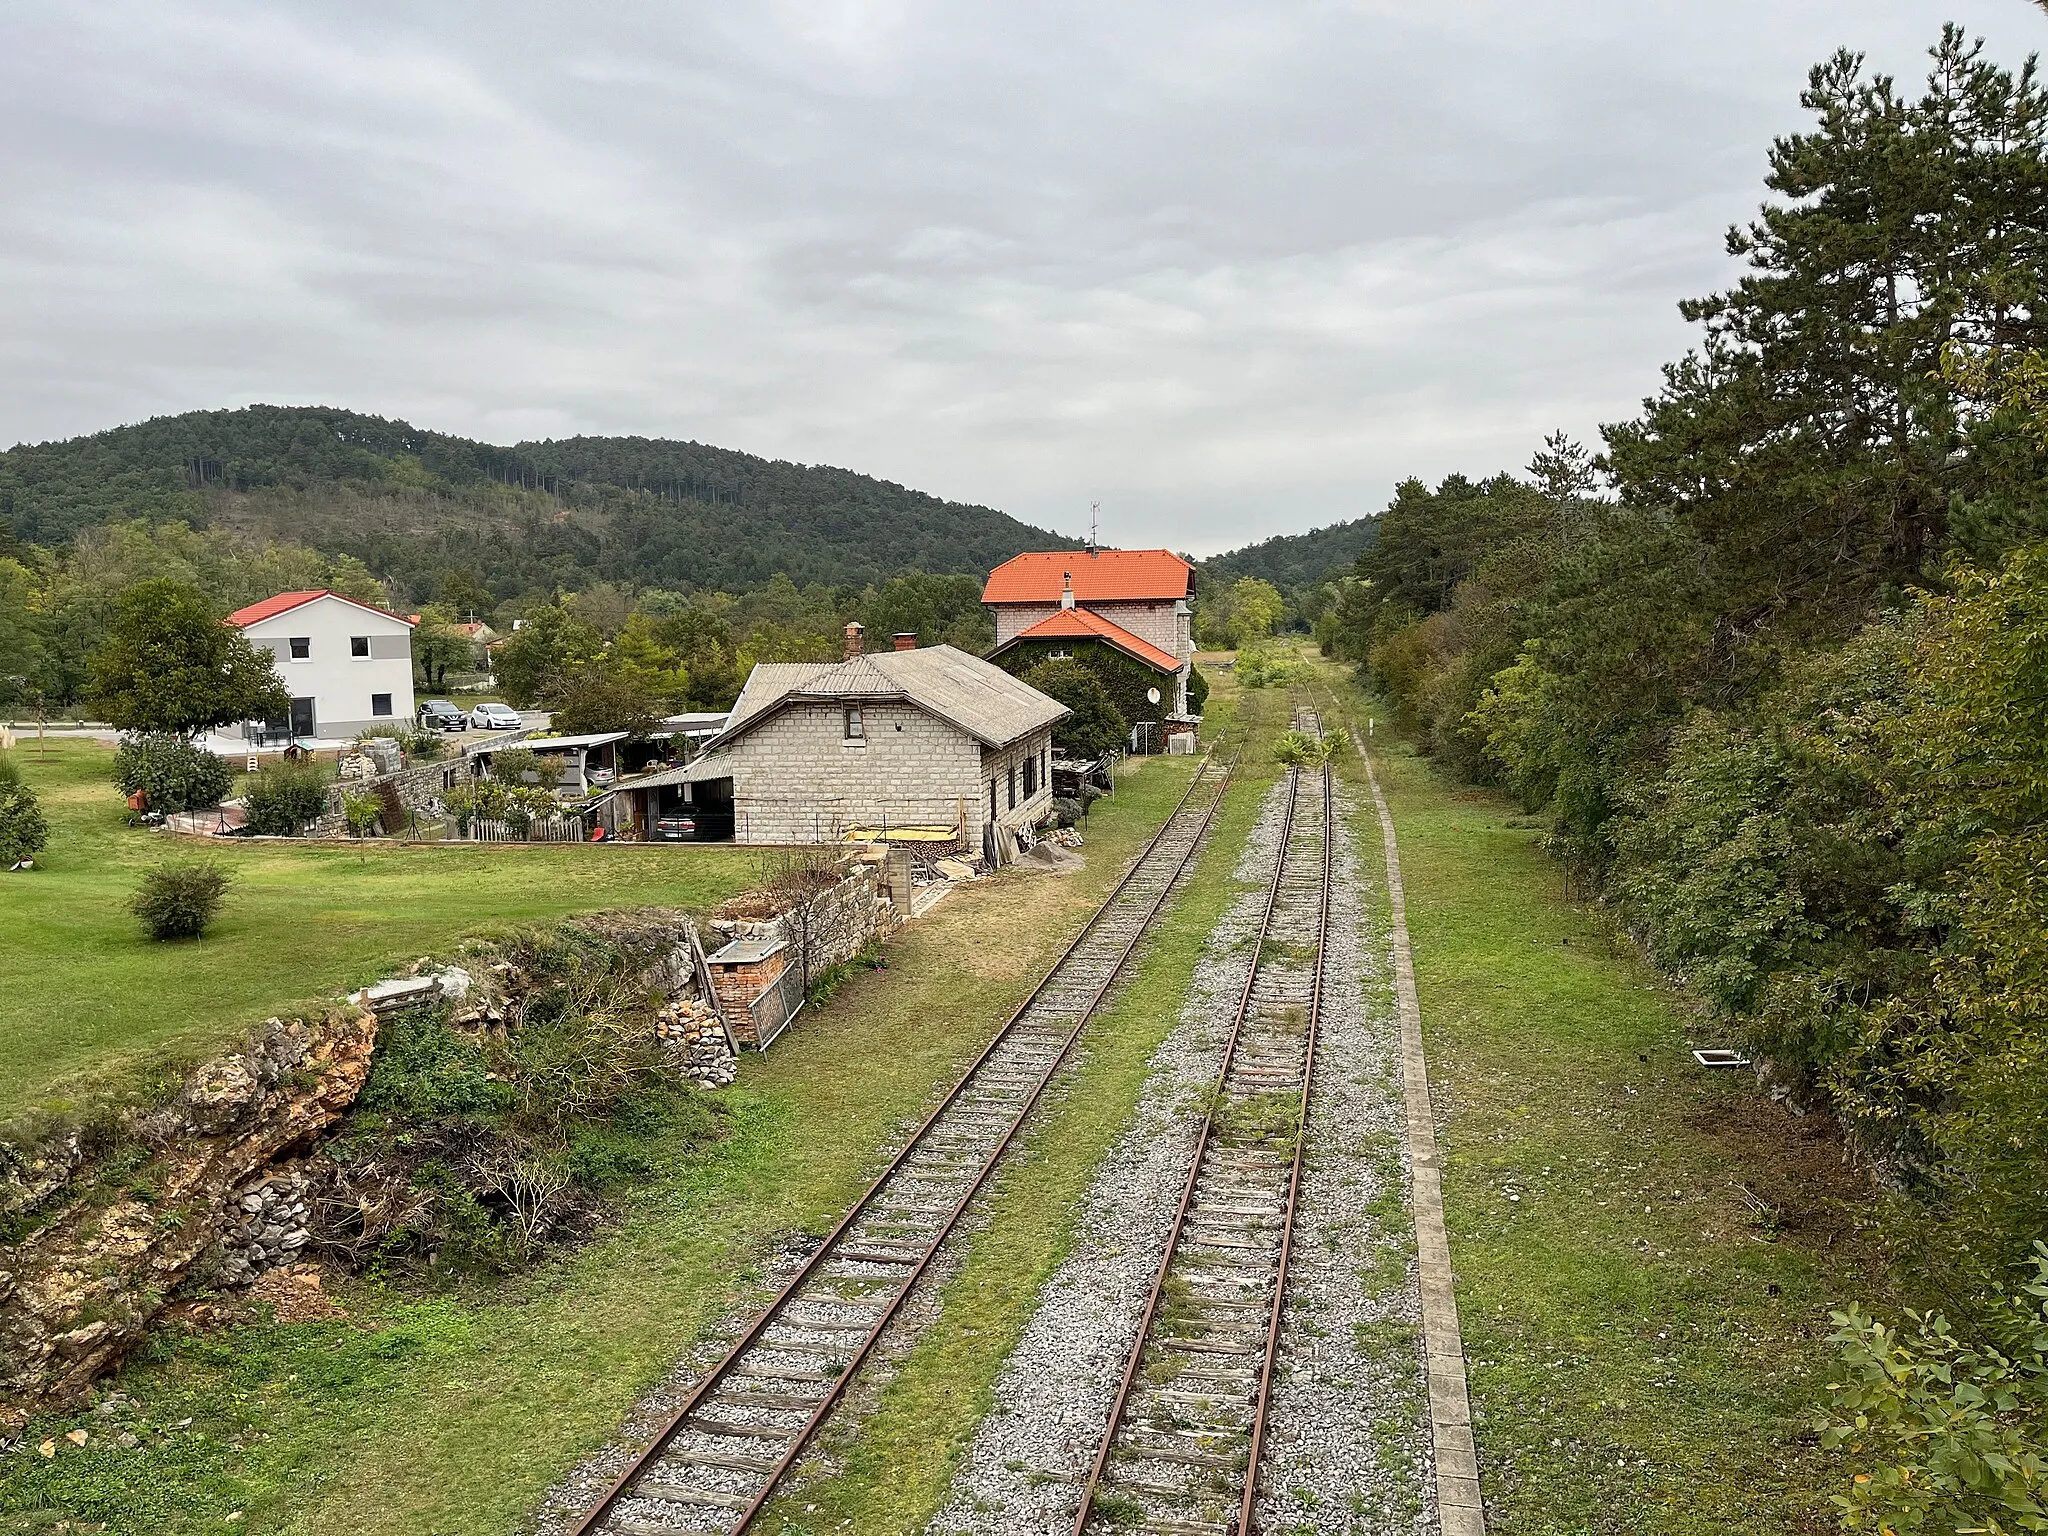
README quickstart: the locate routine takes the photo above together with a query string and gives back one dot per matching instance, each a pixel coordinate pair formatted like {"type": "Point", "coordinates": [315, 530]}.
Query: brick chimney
{"type": "Point", "coordinates": [853, 634]}
{"type": "Point", "coordinates": [1067, 593]}
{"type": "Point", "coordinates": [906, 640]}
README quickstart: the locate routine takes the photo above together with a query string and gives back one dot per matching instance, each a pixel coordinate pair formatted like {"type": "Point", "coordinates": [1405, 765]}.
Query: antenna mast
{"type": "Point", "coordinates": [1094, 517]}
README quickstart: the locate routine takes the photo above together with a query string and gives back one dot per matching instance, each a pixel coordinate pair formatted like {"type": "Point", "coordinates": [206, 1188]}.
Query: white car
{"type": "Point", "coordinates": [495, 717]}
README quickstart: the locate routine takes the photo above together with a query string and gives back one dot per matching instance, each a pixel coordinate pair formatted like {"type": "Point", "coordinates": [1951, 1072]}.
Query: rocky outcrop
{"type": "Point", "coordinates": [102, 1246]}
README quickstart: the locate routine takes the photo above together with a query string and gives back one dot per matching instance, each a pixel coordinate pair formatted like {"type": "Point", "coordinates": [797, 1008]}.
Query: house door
{"type": "Point", "coordinates": [302, 718]}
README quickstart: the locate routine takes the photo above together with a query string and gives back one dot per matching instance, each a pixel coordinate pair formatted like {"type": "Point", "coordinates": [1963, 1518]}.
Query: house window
{"type": "Point", "coordinates": [1013, 786]}
{"type": "Point", "coordinates": [1030, 776]}
{"type": "Point", "coordinates": [991, 797]}
{"type": "Point", "coordinates": [380, 703]}
{"type": "Point", "coordinates": [302, 647]}
{"type": "Point", "coordinates": [854, 728]}
{"type": "Point", "coordinates": [359, 645]}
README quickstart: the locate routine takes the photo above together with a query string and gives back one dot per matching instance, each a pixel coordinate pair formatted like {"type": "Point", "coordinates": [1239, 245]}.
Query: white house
{"type": "Point", "coordinates": [347, 665]}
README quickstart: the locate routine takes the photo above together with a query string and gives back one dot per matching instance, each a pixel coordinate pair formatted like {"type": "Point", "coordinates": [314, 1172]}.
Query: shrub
{"type": "Point", "coordinates": [1068, 811]}
{"type": "Point", "coordinates": [23, 831]}
{"type": "Point", "coordinates": [513, 767]}
{"type": "Point", "coordinates": [176, 775]}
{"type": "Point", "coordinates": [1951, 1430]}
{"type": "Point", "coordinates": [284, 798]}
{"type": "Point", "coordinates": [1301, 749]}
{"type": "Point", "coordinates": [178, 901]}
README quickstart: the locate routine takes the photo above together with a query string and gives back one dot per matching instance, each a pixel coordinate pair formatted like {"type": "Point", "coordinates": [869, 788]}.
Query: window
{"type": "Point", "coordinates": [1030, 776]}
{"type": "Point", "coordinates": [1013, 786]}
{"type": "Point", "coordinates": [359, 645]}
{"type": "Point", "coordinates": [380, 703]}
{"type": "Point", "coordinates": [302, 647]}
{"type": "Point", "coordinates": [854, 727]}
{"type": "Point", "coordinates": [991, 797]}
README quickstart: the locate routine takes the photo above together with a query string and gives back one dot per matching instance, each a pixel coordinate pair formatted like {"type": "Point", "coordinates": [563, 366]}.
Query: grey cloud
{"type": "Point", "coordinates": [1229, 269]}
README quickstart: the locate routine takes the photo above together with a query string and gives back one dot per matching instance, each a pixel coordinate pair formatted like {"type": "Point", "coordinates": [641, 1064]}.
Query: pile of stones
{"type": "Point", "coordinates": [266, 1229]}
{"type": "Point", "coordinates": [695, 1040]}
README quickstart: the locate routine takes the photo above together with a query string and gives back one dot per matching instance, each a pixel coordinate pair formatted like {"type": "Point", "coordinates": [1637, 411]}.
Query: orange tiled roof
{"type": "Point", "coordinates": [285, 602]}
{"type": "Point", "coordinates": [1106, 576]}
{"type": "Point", "coordinates": [1080, 624]}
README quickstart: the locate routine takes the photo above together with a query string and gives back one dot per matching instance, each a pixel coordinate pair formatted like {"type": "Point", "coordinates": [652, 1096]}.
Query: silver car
{"type": "Point", "coordinates": [494, 717]}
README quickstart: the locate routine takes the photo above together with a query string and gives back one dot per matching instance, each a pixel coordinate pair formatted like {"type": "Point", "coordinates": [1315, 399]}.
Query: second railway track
{"type": "Point", "coordinates": [719, 1458]}
{"type": "Point", "coordinates": [1181, 1453]}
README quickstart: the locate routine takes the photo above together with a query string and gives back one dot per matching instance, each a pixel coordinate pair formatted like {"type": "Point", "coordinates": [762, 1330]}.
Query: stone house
{"type": "Point", "coordinates": [1127, 611]}
{"type": "Point", "coordinates": [929, 742]}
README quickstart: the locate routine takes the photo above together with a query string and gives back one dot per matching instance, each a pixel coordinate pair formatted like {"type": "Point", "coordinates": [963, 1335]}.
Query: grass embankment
{"type": "Point", "coordinates": [1646, 1251]}
{"type": "Point", "coordinates": [452, 1414]}
{"type": "Point", "coordinates": [87, 1001]}
{"type": "Point", "coordinates": [898, 1464]}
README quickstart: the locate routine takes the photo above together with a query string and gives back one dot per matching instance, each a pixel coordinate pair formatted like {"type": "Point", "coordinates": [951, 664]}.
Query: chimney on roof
{"type": "Point", "coordinates": [853, 634]}
{"type": "Point", "coordinates": [906, 640]}
{"type": "Point", "coordinates": [1067, 592]}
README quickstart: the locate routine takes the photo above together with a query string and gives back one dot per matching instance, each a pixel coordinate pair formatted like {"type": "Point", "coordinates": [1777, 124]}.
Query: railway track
{"type": "Point", "coordinates": [718, 1459]}
{"type": "Point", "coordinates": [1181, 1452]}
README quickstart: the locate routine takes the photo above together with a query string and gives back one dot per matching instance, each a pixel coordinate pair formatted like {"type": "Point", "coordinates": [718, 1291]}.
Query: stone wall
{"type": "Point", "coordinates": [418, 788]}
{"type": "Point", "coordinates": [853, 912]}
{"type": "Point", "coordinates": [797, 779]}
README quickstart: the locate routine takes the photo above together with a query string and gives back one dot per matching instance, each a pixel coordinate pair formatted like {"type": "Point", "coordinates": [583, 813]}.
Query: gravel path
{"type": "Point", "coordinates": [1020, 1474]}
{"type": "Point", "coordinates": [1348, 1434]}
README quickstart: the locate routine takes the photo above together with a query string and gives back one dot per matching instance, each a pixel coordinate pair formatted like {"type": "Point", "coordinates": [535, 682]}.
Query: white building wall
{"type": "Point", "coordinates": [341, 685]}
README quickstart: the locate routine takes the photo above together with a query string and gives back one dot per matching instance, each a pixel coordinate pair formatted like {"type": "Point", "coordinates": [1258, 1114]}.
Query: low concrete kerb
{"type": "Point", "coordinates": [1461, 1511]}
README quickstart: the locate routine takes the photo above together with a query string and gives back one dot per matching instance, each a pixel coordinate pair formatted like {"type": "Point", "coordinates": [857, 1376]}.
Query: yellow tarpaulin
{"type": "Point", "coordinates": [901, 834]}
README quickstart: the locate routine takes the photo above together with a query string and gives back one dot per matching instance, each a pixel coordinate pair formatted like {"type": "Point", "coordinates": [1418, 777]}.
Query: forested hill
{"type": "Point", "coordinates": [533, 516]}
{"type": "Point", "coordinates": [1293, 560]}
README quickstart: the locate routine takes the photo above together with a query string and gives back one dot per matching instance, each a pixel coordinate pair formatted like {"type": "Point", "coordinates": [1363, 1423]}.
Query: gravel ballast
{"type": "Point", "coordinates": [1347, 1429]}
{"type": "Point", "coordinates": [1021, 1473]}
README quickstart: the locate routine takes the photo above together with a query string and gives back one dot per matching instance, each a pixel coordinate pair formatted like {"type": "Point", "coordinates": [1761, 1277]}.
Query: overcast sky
{"type": "Point", "coordinates": [1228, 269]}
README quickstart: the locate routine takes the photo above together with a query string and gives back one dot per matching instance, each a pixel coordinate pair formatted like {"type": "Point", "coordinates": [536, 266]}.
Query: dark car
{"type": "Point", "coordinates": [440, 715]}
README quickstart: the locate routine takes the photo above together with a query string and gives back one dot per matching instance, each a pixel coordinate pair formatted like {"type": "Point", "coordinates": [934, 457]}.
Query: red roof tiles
{"type": "Point", "coordinates": [285, 602]}
{"type": "Point", "coordinates": [1080, 624]}
{"type": "Point", "coordinates": [1106, 576]}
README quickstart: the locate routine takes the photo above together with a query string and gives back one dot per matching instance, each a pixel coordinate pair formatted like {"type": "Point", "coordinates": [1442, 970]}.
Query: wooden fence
{"type": "Point", "coordinates": [545, 829]}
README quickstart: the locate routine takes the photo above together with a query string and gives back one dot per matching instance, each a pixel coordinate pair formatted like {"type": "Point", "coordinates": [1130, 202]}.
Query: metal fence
{"type": "Point", "coordinates": [780, 1001]}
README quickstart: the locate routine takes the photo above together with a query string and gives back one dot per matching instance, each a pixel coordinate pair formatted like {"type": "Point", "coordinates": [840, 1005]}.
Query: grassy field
{"type": "Point", "coordinates": [451, 1414]}
{"type": "Point", "coordinates": [86, 999]}
{"type": "Point", "coordinates": [1646, 1251]}
{"type": "Point", "coordinates": [899, 1463]}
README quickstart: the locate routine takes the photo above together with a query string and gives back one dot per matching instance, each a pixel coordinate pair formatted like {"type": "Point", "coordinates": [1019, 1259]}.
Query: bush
{"type": "Point", "coordinates": [176, 775]}
{"type": "Point", "coordinates": [512, 767]}
{"type": "Point", "coordinates": [1068, 811]}
{"type": "Point", "coordinates": [23, 831]}
{"type": "Point", "coordinates": [178, 901]}
{"type": "Point", "coordinates": [1951, 1430]}
{"type": "Point", "coordinates": [284, 798]}
{"type": "Point", "coordinates": [424, 746]}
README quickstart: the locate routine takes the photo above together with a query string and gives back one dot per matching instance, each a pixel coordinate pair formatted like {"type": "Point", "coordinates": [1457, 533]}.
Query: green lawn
{"type": "Point", "coordinates": [450, 1415]}
{"type": "Point", "coordinates": [86, 999]}
{"type": "Point", "coordinates": [1646, 1251]}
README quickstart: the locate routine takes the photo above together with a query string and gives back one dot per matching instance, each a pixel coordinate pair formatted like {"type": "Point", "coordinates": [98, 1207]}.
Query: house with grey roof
{"type": "Point", "coordinates": [918, 743]}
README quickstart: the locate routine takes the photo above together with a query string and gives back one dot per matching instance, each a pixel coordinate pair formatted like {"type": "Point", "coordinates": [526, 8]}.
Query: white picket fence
{"type": "Point", "coordinates": [545, 829]}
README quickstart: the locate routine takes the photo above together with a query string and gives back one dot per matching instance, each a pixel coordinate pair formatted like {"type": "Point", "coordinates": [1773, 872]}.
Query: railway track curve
{"type": "Point", "coordinates": [1181, 1452]}
{"type": "Point", "coordinates": [717, 1459]}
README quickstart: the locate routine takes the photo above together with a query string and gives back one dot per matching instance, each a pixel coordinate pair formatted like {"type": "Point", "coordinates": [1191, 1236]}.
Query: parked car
{"type": "Point", "coordinates": [597, 778]}
{"type": "Point", "coordinates": [440, 715]}
{"type": "Point", "coordinates": [675, 829]}
{"type": "Point", "coordinates": [495, 717]}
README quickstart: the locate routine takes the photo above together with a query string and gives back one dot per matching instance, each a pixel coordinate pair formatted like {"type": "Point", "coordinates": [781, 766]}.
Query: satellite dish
{"type": "Point", "coordinates": [1152, 694]}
